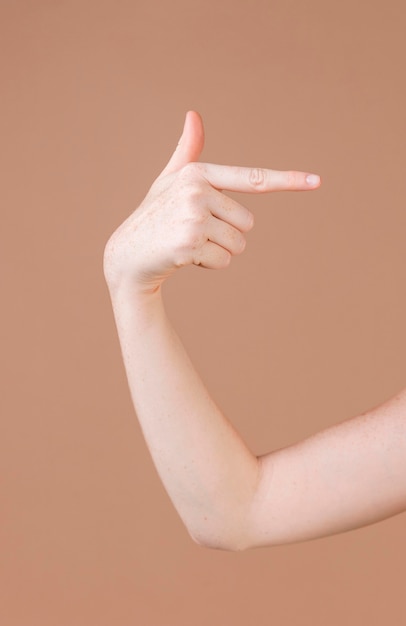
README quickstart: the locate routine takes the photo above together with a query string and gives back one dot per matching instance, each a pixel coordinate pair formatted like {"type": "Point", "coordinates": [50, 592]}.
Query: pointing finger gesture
{"type": "Point", "coordinates": [186, 219]}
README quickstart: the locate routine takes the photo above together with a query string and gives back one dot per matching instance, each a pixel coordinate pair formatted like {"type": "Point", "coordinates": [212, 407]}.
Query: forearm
{"type": "Point", "coordinates": [206, 468]}
{"type": "Point", "coordinates": [186, 219]}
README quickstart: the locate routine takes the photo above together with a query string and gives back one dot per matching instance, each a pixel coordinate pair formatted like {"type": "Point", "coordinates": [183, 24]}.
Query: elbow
{"type": "Point", "coordinates": [220, 540]}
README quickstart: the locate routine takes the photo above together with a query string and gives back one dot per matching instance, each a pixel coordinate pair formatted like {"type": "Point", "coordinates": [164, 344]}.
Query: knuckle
{"type": "Point", "coordinates": [191, 236]}
{"type": "Point", "coordinates": [226, 260]}
{"type": "Point", "coordinates": [257, 178]}
{"type": "Point", "coordinates": [196, 195]}
{"type": "Point", "coordinates": [192, 193]}
{"type": "Point", "coordinates": [191, 187]}
{"type": "Point", "coordinates": [182, 258]}
{"type": "Point", "coordinates": [239, 246]}
{"type": "Point", "coordinates": [237, 243]}
{"type": "Point", "coordinates": [196, 215]}
{"type": "Point", "coordinates": [191, 170]}
{"type": "Point", "coordinates": [292, 179]}
{"type": "Point", "coordinates": [249, 221]}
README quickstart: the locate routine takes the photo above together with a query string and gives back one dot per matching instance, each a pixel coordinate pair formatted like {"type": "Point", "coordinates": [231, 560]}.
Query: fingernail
{"type": "Point", "coordinates": [312, 180]}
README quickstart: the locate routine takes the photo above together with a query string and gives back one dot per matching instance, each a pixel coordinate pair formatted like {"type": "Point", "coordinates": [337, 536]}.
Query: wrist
{"type": "Point", "coordinates": [121, 281]}
{"type": "Point", "coordinates": [136, 304]}
{"type": "Point", "coordinates": [128, 287]}
{"type": "Point", "coordinates": [122, 277]}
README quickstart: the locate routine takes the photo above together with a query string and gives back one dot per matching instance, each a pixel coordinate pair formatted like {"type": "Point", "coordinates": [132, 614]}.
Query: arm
{"type": "Point", "coordinates": [228, 498]}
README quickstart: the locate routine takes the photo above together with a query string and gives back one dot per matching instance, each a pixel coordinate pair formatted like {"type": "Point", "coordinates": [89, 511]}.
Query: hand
{"type": "Point", "coordinates": [185, 218]}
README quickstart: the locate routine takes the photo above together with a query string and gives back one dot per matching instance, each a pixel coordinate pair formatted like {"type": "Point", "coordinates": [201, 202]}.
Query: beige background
{"type": "Point", "coordinates": [305, 329]}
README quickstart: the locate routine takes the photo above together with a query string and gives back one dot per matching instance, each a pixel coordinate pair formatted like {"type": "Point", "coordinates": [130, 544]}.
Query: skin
{"type": "Point", "coordinates": [344, 477]}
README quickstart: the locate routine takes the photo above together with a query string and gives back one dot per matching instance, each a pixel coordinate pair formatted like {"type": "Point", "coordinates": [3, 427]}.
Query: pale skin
{"type": "Point", "coordinates": [347, 476]}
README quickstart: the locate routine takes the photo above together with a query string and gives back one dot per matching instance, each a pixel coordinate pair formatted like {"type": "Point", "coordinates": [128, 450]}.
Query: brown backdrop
{"type": "Point", "coordinates": [305, 329]}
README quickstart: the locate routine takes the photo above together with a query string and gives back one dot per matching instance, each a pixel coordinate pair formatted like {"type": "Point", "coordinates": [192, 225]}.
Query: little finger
{"type": "Point", "coordinates": [212, 256]}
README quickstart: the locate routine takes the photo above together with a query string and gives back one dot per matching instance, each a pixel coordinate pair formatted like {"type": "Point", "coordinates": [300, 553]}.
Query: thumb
{"type": "Point", "coordinates": [190, 144]}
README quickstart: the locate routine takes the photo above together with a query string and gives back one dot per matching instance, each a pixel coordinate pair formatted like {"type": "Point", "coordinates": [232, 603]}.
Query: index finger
{"type": "Point", "coordinates": [257, 179]}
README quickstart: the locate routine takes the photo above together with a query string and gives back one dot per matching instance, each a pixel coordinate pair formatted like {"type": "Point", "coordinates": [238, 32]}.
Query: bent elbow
{"type": "Point", "coordinates": [228, 542]}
